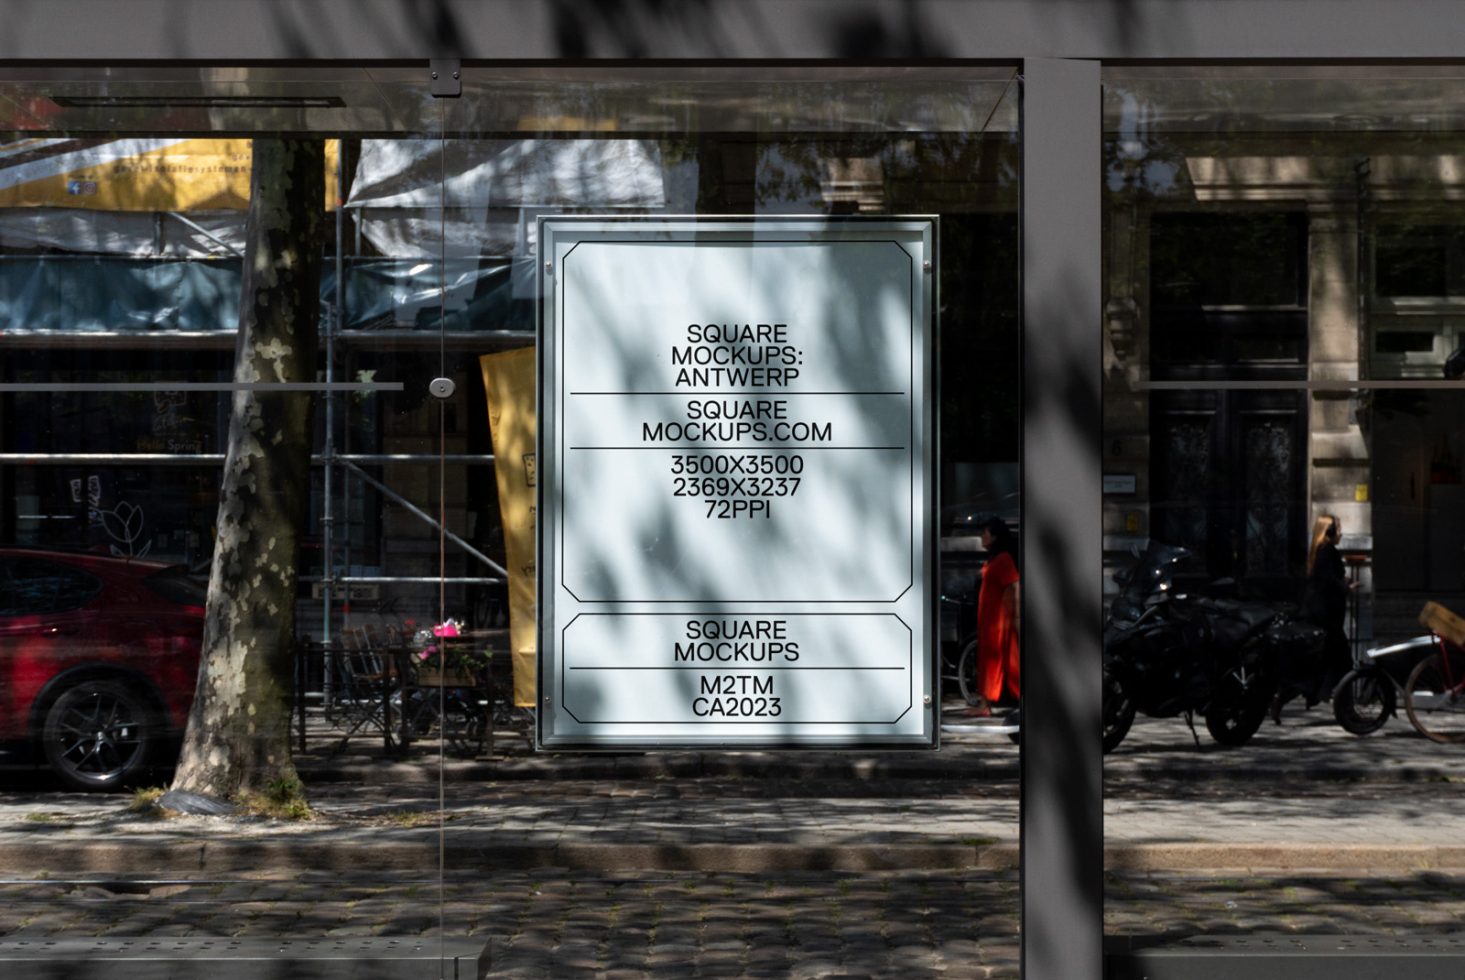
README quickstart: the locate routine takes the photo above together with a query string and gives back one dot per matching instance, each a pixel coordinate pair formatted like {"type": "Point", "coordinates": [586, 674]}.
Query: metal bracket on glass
{"type": "Point", "coordinates": [447, 77]}
{"type": "Point", "coordinates": [442, 387]}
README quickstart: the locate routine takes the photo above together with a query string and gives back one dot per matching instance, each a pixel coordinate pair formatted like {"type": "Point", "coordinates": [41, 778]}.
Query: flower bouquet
{"type": "Point", "coordinates": [442, 663]}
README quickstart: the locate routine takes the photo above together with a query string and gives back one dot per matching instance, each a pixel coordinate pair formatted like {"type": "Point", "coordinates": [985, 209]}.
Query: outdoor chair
{"type": "Point", "coordinates": [366, 679]}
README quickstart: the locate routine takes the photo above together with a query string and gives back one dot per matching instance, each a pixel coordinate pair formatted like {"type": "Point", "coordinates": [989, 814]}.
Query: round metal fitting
{"type": "Point", "coordinates": [442, 387]}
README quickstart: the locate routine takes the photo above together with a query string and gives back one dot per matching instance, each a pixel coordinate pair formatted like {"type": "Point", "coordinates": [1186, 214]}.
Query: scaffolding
{"type": "Point", "coordinates": [343, 472]}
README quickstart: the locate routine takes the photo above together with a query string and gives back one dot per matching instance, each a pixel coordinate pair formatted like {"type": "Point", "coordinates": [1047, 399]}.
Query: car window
{"type": "Point", "coordinates": [30, 586]}
{"type": "Point", "coordinates": [174, 585]}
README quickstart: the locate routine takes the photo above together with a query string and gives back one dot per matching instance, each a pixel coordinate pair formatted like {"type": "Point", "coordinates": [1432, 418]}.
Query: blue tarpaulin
{"type": "Point", "coordinates": [106, 294]}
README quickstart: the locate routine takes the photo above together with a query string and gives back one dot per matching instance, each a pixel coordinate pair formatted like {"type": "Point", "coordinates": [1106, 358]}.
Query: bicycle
{"type": "Point", "coordinates": [455, 714]}
{"type": "Point", "coordinates": [961, 670]}
{"type": "Point", "coordinates": [1434, 695]}
{"type": "Point", "coordinates": [958, 664]}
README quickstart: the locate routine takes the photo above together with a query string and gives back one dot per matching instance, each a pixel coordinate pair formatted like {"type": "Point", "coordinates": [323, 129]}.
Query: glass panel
{"type": "Point", "coordinates": [1282, 431]}
{"type": "Point", "coordinates": [408, 664]}
{"type": "Point", "coordinates": [167, 504]}
{"type": "Point", "coordinates": [769, 154]}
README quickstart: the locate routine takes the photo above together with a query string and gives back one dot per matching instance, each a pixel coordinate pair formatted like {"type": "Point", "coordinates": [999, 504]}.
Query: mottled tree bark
{"type": "Point", "coordinates": [238, 736]}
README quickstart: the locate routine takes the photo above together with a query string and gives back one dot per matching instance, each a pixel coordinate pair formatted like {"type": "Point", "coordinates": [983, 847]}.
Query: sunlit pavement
{"type": "Point", "coordinates": [749, 864]}
{"type": "Point", "coordinates": [1306, 830]}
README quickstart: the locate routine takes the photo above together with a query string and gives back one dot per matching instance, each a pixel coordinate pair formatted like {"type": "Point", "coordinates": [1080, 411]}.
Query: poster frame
{"type": "Point", "coordinates": [551, 231]}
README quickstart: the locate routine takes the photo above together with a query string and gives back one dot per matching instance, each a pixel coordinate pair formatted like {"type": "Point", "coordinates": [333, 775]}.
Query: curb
{"type": "Point", "coordinates": [856, 769]}
{"type": "Point", "coordinates": [178, 857]}
{"type": "Point", "coordinates": [219, 856]}
{"type": "Point", "coordinates": [860, 769]}
{"type": "Point", "coordinates": [1368, 860]}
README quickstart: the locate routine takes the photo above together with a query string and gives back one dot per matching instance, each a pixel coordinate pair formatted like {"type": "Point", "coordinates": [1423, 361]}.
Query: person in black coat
{"type": "Point", "coordinates": [1325, 600]}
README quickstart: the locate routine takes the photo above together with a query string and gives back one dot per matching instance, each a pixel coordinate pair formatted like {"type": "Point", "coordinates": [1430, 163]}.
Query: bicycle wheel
{"type": "Point", "coordinates": [462, 724]}
{"type": "Point", "coordinates": [1363, 701]}
{"type": "Point", "coordinates": [966, 675]}
{"type": "Point", "coordinates": [1433, 701]}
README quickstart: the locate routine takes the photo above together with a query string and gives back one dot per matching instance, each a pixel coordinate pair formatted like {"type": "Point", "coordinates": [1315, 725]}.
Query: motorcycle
{"type": "Point", "coordinates": [1168, 654]}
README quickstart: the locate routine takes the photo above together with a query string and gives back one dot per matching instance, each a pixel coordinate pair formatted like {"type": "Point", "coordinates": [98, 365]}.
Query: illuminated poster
{"type": "Point", "coordinates": [736, 491]}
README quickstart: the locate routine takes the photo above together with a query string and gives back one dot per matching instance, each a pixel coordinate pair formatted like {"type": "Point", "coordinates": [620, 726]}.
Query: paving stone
{"type": "Point", "coordinates": [955, 922]}
{"type": "Point", "coordinates": [722, 945]}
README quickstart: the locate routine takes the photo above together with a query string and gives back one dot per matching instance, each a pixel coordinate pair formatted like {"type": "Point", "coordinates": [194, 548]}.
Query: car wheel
{"type": "Point", "coordinates": [98, 734]}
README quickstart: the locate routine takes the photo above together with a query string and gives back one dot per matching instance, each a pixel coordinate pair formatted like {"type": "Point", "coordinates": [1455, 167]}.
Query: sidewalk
{"type": "Point", "coordinates": [1301, 796]}
{"type": "Point", "coordinates": [777, 864]}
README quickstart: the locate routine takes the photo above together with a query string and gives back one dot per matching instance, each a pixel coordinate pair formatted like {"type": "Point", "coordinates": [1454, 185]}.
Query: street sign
{"type": "Point", "coordinates": [736, 487]}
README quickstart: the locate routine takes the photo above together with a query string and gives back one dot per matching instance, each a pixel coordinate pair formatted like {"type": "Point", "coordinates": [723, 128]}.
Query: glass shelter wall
{"type": "Point", "coordinates": [1280, 300]}
{"type": "Point", "coordinates": [789, 146]}
{"type": "Point", "coordinates": [165, 318]}
{"type": "Point", "coordinates": [1282, 423]}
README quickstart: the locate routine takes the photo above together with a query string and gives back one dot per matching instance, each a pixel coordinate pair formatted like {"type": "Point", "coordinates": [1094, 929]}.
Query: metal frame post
{"type": "Point", "coordinates": [335, 323]}
{"type": "Point", "coordinates": [1062, 593]}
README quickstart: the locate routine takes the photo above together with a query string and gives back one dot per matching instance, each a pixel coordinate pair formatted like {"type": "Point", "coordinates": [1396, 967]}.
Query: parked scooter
{"type": "Point", "coordinates": [1369, 694]}
{"type": "Point", "coordinates": [1168, 654]}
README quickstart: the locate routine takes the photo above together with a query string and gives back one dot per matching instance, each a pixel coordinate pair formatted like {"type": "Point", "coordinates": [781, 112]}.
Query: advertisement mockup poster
{"type": "Point", "coordinates": [736, 489]}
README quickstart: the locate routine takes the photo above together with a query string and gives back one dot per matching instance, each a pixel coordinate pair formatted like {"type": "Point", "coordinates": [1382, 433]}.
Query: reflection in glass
{"type": "Point", "coordinates": [1283, 280]}
{"type": "Point", "coordinates": [122, 264]}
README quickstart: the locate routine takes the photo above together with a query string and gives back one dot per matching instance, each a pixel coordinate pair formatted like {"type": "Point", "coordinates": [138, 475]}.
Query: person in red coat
{"type": "Point", "coordinates": [999, 625]}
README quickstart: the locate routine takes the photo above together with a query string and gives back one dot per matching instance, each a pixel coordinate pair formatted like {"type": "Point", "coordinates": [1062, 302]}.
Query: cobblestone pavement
{"type": "Point", "coordinates": [1308, 743]}
{"type": "Point", "coordinates": [1305, 830]}
{"type": "Point", "coordinates": [558, 925]}
{"type": "Point", "coordinates": [1171, 904]}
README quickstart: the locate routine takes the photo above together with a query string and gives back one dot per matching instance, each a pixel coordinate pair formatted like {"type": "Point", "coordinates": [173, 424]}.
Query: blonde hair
{"type": "Point", "coordinates": [1324, 528]}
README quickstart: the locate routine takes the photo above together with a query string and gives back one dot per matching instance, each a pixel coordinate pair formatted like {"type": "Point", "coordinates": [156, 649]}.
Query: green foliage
{"type": "Point", "coordinates": [282, 799]}
{"type": "Point", "coordinates": [144, 801]}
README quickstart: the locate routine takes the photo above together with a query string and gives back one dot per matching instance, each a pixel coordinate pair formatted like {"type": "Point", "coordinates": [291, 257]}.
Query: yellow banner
{"type": "Point", "coordinates": [142, 174]}
{"type": "Point", "coordinates": [509, 380]}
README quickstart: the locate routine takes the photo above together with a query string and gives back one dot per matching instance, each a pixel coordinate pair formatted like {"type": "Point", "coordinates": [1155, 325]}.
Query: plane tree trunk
{"type": "Point", "coordinates": [238, 735]}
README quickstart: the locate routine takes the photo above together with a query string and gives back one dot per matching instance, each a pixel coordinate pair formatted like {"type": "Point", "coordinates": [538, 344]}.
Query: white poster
{"type": "Point", "coordinates": [736, 481]}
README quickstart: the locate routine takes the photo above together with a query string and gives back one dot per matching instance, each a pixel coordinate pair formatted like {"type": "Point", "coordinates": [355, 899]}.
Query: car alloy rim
{"type": "Point", "coordinates": [99, 736]}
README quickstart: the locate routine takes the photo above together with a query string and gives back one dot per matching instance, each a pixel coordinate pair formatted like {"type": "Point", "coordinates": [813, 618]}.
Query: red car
{"type": "Point", "coordinates": [98, 660]}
